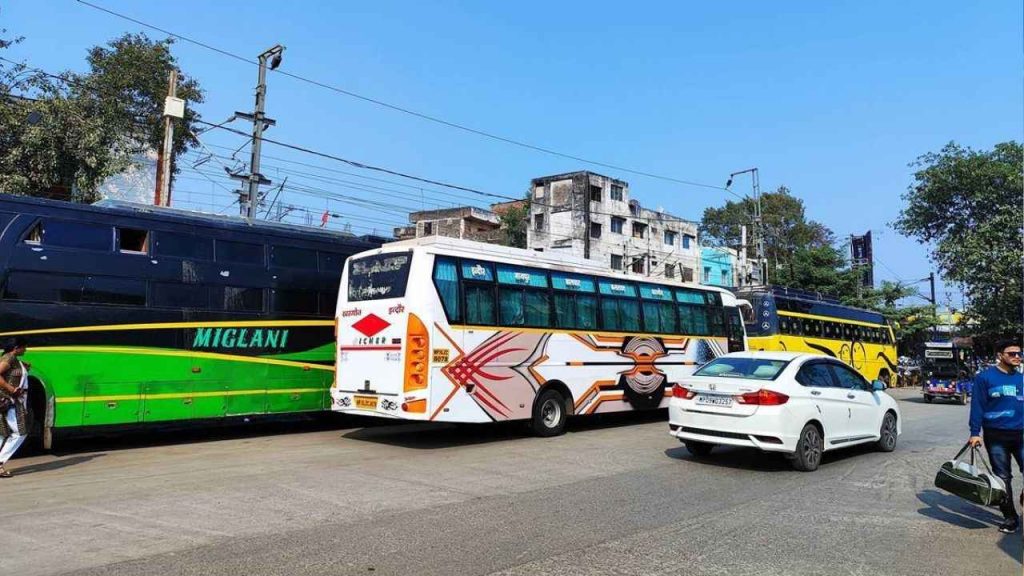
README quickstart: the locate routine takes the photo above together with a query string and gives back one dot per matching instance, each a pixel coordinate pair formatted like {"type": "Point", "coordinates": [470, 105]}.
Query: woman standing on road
{"type": "Point", "coordinates": [13, 400]}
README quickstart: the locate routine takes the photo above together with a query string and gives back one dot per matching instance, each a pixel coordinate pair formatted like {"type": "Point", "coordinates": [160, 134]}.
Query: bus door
{"type": "Point", "coordinates": [734, 325]}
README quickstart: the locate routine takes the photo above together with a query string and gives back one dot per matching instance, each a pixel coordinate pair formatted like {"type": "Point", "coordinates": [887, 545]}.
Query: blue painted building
{"type": "Point", "coordinates": [718, 266]}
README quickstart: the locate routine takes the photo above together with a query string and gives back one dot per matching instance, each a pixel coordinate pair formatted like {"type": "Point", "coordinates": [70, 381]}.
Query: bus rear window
{"type": "Point", "coordinates": [378, 277]}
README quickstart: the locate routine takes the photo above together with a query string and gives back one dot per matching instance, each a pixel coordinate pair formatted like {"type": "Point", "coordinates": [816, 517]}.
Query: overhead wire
{"type": "Point", "coordinates": [408, 111]}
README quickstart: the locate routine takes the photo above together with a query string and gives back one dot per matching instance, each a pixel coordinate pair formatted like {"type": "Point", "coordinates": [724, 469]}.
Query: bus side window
{"type": "Point", "coordinates": [446, 281]}
{"type": "Point", "coordinates": [478, 292]}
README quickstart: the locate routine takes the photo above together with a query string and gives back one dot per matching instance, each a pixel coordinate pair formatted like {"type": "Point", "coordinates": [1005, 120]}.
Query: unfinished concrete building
{"type": "Point", "coordinates": [593, 216]}
{"type": "Point", "coordinates": [462, 222]}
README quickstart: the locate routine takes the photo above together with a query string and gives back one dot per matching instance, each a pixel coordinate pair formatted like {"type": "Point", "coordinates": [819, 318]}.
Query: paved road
{"type": "Point", "coordinates": [617, 496]}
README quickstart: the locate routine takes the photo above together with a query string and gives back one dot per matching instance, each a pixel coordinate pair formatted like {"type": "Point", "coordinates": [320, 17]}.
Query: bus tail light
{"type": "Point", "coordinates": [762, 398]}
{"type": "Point", "coordinates": [419, 406]}
{"type": "Point", "coordinates": [417, 346]}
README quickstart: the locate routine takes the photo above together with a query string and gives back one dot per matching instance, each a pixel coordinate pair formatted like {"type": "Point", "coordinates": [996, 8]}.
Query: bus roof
{"type": "Point", "coordinates": [134, 209]}
{"type": "Point", "coordinates": [522, 257]}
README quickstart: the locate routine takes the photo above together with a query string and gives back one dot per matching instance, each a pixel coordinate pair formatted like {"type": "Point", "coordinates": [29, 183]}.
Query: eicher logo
{"type": "Point", "coordinates": [240, 338]}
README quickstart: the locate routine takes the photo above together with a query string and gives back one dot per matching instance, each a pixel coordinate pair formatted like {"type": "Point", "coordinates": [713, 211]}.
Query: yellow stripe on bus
{"type": "Point", "coordinates": [79, 399]}
{"type": "Point", "coordinates": [180, 353]}
{"type": "Point", "coordinates": [830, 319]}
{"type": "Point", "coordinates": [172, 325]}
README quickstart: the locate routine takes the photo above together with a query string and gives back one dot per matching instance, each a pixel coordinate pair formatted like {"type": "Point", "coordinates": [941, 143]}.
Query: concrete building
{"type": "Point", "coordinates": [719, 266]}
{"type": "Point", "coordinates": [465, 222]}
{"type": "Point", "coordinates": [593, 216]}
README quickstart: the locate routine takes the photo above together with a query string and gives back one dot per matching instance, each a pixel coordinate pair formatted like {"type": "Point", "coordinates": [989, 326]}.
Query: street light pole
{"type": "Point", "coordinates": [259, 123]}
{"type": "Point", "coordinates": [762, 265]}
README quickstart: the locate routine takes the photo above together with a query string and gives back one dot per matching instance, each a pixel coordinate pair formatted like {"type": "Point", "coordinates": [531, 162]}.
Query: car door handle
{"type": "Point", "coordinates": [851, 396]}
{"type": "Point", "coordinates": [816, 392]}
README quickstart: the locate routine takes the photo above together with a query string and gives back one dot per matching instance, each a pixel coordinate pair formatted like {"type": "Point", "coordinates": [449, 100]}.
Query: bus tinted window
{"type": "Point", "coordinates": [183, 246]}
{"type": "Point", "coordinates": [176, 295]}
{"type": "Point", "coordinates": [237, 299]}
{"type": "Point", "coordinates": [572, 282]}
{"type": "Point", "coordinates": [296, 301]}
{"type": "Point", "coordinates": [519, 307]}
{"type": "Point", "coordinates": [575, 311]}
{"type": "Point", "coordinates": [477, 271]}
{"type": "Point", "coordinates": [240, 253]}
{"type": "Point", "coordinates": [522, 276]}
{"type": "Point", "coordinates": [44, 287]}
{"type": "Point", "coordinates": [446, 281]}
{"type": "Point", "coordinates": [659, 317]}
{"type": "Point", "coordinates": [693, 320]}
{"type": "Point", "coordinates": [289, 257]}
{"type": "Point", "coordinates": [69, 234]}
{"type": "Point", "coordinates": [616, 288]}
{"type": "Point", "coordinates": [331, 263]}
{"type": "Point", "coordinates": [479, 304]}
{"type": "Point", "coordinates": [378, 276]}
{"type": "Point", "coordinates": [620, 314]}
{"type": "Point", "coordinates": [109, 290]}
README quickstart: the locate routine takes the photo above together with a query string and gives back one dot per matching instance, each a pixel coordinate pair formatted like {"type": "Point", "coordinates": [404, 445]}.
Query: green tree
{"type": "Point", "coordinates": [72, 132]}
{"type": "Point", "coordinates": [787, 229]}
{"type": "Point", "coordinates": [965, 205]}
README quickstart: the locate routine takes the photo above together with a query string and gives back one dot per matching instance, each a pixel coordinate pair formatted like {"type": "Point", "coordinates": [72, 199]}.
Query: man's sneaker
{"type": "Point", "coordinates": [1010, 526]}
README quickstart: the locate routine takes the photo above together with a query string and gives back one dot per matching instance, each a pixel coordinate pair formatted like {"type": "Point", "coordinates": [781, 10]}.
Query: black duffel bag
{"type": "Point", "coordinates": [970, 482]}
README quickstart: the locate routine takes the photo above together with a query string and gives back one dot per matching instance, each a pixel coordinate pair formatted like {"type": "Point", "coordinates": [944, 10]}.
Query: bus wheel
{"type": "Point", "coordinates": [549, 414]}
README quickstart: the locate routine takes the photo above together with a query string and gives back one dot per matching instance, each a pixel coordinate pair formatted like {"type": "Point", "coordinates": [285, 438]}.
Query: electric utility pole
{"type": "Point", "coordinates": [249, 198]}
{"type": "Point", "coordinates": [174, 107]}
{"type": "Point", "coordinates": [758, 231]}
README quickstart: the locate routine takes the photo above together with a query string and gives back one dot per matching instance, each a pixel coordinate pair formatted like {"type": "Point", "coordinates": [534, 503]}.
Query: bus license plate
{"type": "Point", "coordinates": [366, 402]}
{"type": "Point", "coordinates": [712, 400]}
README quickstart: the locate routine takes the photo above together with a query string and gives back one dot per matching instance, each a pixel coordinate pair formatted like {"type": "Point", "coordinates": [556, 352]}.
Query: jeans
{"type": "Point", "coordinates": [1001, 446]}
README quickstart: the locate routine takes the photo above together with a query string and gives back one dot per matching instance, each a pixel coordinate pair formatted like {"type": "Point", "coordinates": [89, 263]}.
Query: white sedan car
{"type": "Point", "coordinates": [796, 403]}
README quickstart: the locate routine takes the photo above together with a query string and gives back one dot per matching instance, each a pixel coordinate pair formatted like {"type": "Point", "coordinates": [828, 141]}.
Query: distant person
{"type": "Point", "coordinates": [997, 415]}
{"type": "Point", "coordinates": [13, 400]}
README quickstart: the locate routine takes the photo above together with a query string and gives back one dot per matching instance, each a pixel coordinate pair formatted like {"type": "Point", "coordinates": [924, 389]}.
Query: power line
{"type": "Point", "coordinates": [421, 115]}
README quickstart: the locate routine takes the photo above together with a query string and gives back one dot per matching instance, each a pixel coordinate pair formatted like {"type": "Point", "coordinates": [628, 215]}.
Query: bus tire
{"type": "Point", "coordinates": [549, 414]}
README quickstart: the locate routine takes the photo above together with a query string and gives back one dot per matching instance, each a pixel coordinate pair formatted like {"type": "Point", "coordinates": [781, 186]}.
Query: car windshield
{"type": "Point", "coordinates": [754, 368]}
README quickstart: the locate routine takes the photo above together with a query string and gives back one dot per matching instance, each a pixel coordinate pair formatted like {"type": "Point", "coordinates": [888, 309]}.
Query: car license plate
{"type": "Point", "coordinates": [714, 400]}
{"type": "Point", "coordinates": [366, 402]}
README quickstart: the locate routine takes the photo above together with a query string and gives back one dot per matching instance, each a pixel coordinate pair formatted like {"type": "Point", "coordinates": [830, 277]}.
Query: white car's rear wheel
{"type": "Point", "coordinates": [808, 449]}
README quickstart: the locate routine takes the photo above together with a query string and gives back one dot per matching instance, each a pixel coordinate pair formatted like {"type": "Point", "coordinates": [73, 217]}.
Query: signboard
{"type": "Point", "coordinates": [948, 354]}
{"type": "Point", "coordinates": [861, 257]}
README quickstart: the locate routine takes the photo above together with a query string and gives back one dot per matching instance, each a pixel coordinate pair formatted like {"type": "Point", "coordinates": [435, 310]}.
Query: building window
{"type": "Point", "coordinates": [686, 241]}
{"type": "Point", "coordinates": [595, 193]}
{"type": "Point", "coordinates": [617, 224]}
{"type": "Point", "coordinates": [616, 262]}
{"type": "Point", "coordinates": [638, 265]}
{"type": "Point", "coordinates": [725, 278]}
{"type": "Point", "coordinates": [687, 274]}
{"type": "Point", "coordinates": [616, 192]}
{"type": "Point", "coordinates": [538, 222]}
{"type": "Point", "coordinates": [670, 271]}
{"type": "Point", "coordinates": [428, 228]}
{"type": "Point", "coordinates": [707, 274]}
{"type": "Point", "coordinates": [670, 238]}
{"type": "Point", "coordinates": [595, 230]}
{"type": "Point", "coordinates": [639, 230]}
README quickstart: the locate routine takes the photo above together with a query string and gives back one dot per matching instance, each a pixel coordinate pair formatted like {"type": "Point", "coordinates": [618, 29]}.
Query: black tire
{"type": "Point", "coordinates": [928, 398]}
{"type": "Point", "coordinates": [809, 448]}
{"type": "Point", "coordinates": [887, 434]}
{"type": "Point", "coordinates": [698, 449]}
{"type": "Point", "coordinates": [549, 414]}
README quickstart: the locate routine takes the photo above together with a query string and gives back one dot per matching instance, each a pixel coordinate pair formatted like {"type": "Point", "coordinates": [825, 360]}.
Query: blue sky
{"type": "Point", "coordinates": [832, 100]}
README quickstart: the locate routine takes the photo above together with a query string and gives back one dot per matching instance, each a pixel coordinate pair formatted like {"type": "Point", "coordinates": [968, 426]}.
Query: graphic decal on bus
{"type": "Point", "coordinates": [504, 372]}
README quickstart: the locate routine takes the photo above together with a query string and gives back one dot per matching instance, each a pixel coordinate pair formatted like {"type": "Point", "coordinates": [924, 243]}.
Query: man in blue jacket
{"type": "Point", "coordinates": [997, 414]}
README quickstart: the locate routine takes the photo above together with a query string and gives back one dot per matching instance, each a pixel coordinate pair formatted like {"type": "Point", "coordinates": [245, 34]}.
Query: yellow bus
{"type": "Point", "coordinates": [800, 321]}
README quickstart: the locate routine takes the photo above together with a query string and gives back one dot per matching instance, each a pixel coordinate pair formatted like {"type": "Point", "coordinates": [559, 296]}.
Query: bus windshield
{"type": "Point", "coordinates": [378, 276]}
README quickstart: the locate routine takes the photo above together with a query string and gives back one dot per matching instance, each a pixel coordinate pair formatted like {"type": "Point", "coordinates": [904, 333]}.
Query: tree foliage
{"type": "Point", "coordinates": [514, 220]}
{"type": "Point", "coordinates": [73, 131]}
{"type": "Point", "coordinates": [966, 206]}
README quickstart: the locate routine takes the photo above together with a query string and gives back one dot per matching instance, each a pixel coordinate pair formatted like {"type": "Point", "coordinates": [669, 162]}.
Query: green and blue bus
{"type": "Point", "coordinates": [136, 314]}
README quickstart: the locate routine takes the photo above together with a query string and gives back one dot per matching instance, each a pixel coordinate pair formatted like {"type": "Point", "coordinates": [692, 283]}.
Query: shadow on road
{"type": "Point", "coordinates": [956, 511]}
{"type": "Point", "coordinates": [758, 461]}
{"type": "Point", "coordinates": [150, 435]}
{"type": "Point", "coordinates": [54, 464]}
{"type": "Point", "coordinates": [431, 436]}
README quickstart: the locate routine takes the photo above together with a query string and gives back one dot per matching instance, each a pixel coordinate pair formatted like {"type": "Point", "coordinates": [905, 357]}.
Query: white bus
{"type": "Point", "coordinates": [448, 330]}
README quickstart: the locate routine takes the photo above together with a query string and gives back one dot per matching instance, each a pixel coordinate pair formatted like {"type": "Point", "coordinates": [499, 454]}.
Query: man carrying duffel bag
{"type": "Point", "coordinates": [997, 415]}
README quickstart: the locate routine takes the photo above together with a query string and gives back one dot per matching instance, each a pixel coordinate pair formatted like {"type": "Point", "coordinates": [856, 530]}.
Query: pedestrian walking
{"type": "Point", "coordinates": [997, 415]}
{"type": "Point", "coordinates": [13, 400]}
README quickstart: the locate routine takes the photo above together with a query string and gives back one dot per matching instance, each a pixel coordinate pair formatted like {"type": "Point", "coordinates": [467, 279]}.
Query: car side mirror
{"type": "Point", "coordinates": [877, 386]}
